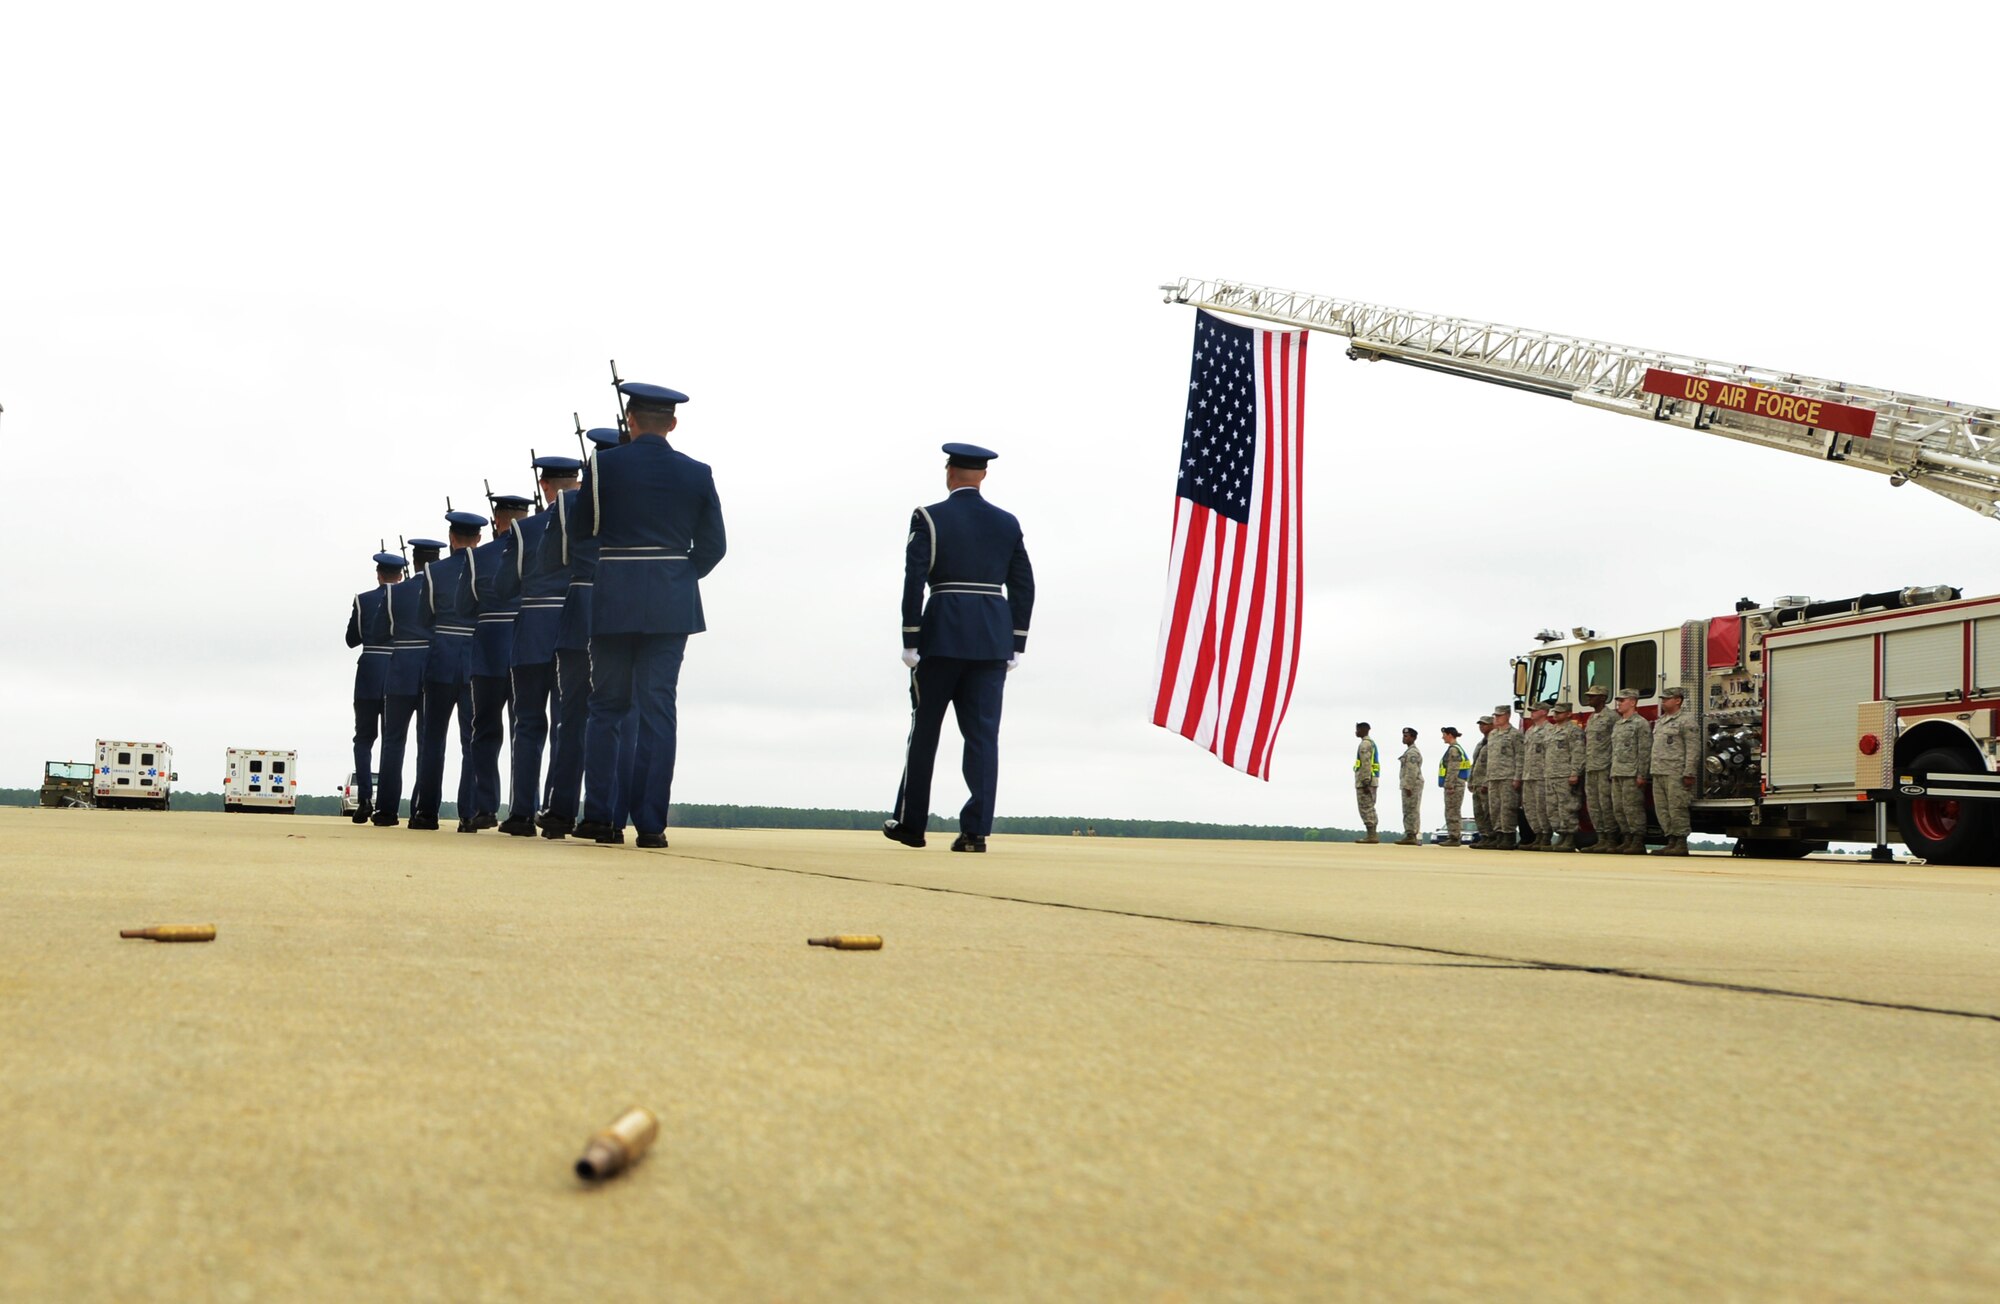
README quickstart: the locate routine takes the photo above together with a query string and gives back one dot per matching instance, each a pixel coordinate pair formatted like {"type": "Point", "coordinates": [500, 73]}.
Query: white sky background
{"type": "Point", "coordinates": [274, 282]}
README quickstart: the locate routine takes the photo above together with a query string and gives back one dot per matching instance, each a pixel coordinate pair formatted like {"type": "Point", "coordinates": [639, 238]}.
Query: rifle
{"type": "Point", "coordinates": [623, 429]}
{"type": "Point", "coordinates": [581, 451]}
{"type": "Point", "coordinates": [535, 477]}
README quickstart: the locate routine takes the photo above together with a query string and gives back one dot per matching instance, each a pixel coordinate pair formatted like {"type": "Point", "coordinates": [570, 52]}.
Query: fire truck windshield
{"type": "Point", "coordinates": [1546, 681]}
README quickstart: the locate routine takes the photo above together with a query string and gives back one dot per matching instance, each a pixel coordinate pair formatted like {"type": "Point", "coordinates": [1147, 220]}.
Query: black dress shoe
{"type": "Point", "coordinates": [652, 841]}
{"type": "Point", "coordinates": [362, 812]}
{"type": "Point", "coordinates": [467, 826]}
{"type": "Point", "coordinates": [592, 829]}
{"type": "Point", "coordinates": [555, 832]}
{"type": "Point", "coordinates": [382, 819]}
{"type": "Point", "coordinates": [963, 842]}
{"type": "Point", "coordinates": [485, 820]}
{"type": "Point", "coordinates": [894, 831]}
{"type": "Point", "coordinates": [545, 818]}
{"type": "Point", "coordinates": [612, 837]}
{"type": "Point", "coordinates": [423, 822]}
{"type": "Point", "coordinates": [518, 826]}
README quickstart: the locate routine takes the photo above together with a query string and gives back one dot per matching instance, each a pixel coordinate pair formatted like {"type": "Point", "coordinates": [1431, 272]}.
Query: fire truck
{"type": "Point", "coordinates": [1821, 720]}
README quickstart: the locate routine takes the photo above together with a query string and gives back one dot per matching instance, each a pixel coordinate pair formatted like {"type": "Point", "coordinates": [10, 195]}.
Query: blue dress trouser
{"type": "Point", "coordinates": [532, 728]}
{"type": "Point", "coordinates": [367, 725]}
{"type": "Point", "coordinates": [491, 701]}
{"type": "Point", "coordinates": [440, 700]}
{"type": "Point", "coordinates": [628, 673]}
{"type": "Point", "coordinates": [973, 689]}
{"type": "Point", "coordinates": [572, 727]}
{"type": "Point", "coordinates": [397, 708]}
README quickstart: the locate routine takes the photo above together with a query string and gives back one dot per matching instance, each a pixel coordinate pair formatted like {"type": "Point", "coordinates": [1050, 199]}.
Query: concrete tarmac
{"type": "Point", "coordinates": [1079, 1068]}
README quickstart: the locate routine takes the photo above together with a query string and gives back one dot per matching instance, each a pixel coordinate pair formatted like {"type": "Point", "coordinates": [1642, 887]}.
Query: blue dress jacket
{"type": "Point", "coordinates": [410, 634]}
{"type": "Point", "coordinates": [368, 629]}
{"type": "Point", "coordinates": [537, 580]}
{"type": "Point", "coordinates": [448, 597]}
{"type": "Point", "coordinates": [658, 524]}
{"type": "Point", "coordinates": [493, 649]}
{"type": "Point", "coordinates": [982, 589]}
{"type": "Point", "coordinates": [576, 556]}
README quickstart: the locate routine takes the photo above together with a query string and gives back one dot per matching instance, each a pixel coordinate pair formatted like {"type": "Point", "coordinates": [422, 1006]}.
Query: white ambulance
{"type": "Point", "coordinates": [261, 778]}
{"type": "Point", "coordinates": [134, 774]}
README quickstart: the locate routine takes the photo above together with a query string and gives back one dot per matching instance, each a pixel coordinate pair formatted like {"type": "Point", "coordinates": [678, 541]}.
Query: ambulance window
{"type": "Point", "coordinates": [1639, 667]}
{"type": "Point", "coordinates": [124, 758]}
{"type": "Point", "coordinates": [1548, 678]}
{"type": "Point", "coordinates": [277, 767]}
{"type": "Point", "coordinates": [145, 758]}
{"type": "Point", "coordinates": [1593, 670]}
{"type": "Point", "coordinates": [256, 767]}
{"type": "Point", "coordinates": [123, 779]}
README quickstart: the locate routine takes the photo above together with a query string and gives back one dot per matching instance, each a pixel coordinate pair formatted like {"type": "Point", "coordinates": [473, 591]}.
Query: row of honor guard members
{"type": "Point", "coordinates": [574, 623]}
{"type": "Point", "coordinates": [487, 633]}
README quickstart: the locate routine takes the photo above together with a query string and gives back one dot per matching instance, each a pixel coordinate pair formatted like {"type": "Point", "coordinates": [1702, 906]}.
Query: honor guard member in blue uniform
{"type": "Point", "coordinates": [537, 580]}
{"type": "Point", "coordinates": [576, 553]}
{"type": "Point", "coordinates": [971, 633]}
{"type": "Point", "coordinates": [447, 672]}
{"type": "Point", "coordinates": [658, 524]}
{"type": "Point", "coordinates": [403, 694]}
{"type": "Point", "coordinates": [368, 629]}
{"type": "Point", "coordinates": [492, 662]}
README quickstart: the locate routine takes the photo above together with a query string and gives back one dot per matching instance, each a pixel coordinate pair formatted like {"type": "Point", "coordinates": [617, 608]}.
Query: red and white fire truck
{"type": "Point", "coordinates": [1822, 720]}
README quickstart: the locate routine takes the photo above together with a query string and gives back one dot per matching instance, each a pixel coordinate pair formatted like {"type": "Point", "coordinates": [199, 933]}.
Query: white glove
{"type": "Point", "coordinates": [1014, 662]}
{"type": "Point", "coordinates": [910, 657]}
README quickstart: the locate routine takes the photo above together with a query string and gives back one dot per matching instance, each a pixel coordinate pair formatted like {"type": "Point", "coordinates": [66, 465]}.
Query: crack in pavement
{"type": "Point", "coordinates": [1494, 961]}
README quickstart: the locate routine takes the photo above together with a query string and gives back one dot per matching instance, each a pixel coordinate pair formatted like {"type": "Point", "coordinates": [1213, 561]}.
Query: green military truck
{"type": "Point", "coordinates": [67, 783]}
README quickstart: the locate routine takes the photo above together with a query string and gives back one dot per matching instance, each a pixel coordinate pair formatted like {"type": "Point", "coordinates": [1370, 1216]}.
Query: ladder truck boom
{"type": "Point", "coordinates": [1951, 449]}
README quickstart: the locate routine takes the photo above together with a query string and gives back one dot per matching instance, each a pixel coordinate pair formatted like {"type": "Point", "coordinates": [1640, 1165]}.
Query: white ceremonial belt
{"type": "Point", "coordinates": [413, 642]}
{"type": "Point", "coordinates": [984, 590]}
{"type": "Point", "coordinates": [652, 553]}
{"type": "Point", "coordinates": [580, 584]}
{"type": "Point", "coordinates": [542, 604]}
{"type": "Point", "coordinates": [496, 615]}
{"type": "Point", "coordinates": [463, 630]}
{"type": "Point", "coordinates": [376, 651]}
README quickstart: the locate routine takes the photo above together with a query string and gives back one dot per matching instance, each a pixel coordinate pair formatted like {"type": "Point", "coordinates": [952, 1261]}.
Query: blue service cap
{"type": "Point", "coordinates": [391, 559]}
{"type": "Point", "coordinates": [654, 396]}
{"type": "Point", "coordinates": [465, 520]}
{"type": "Point", "coordinates": [511, 503]}
{"type": "Point", "coordinates": [436, 545]}
{"type": "Point", "coordinates": [559, 465]}
{"type": "Point", "coordinates": [969, 456]}
{"type": "Point", "coordinates": [604, 436]}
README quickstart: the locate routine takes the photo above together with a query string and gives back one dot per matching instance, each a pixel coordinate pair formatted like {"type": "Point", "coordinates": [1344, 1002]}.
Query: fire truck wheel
{"type": "Point", "coordinates": [1942, 830]}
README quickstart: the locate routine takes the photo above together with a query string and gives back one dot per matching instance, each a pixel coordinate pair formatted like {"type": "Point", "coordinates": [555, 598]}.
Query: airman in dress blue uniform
{"type": "Point", "coordinates": [959, 649]}
{"type": "Point", "coordinates": [492, 661]}
{"type": "Point", "coordinates": [577, 554]}
{"type": "Point", "coordinates": [368, 629]}
{"type": "Point", "coordinates": [447, 671]}
{"type": "Point", "coordinates": [536, 578]}
{"type": "Point", "coordinates": [658, 524]}
{"type": "Point", "coordinates": [403, 693]}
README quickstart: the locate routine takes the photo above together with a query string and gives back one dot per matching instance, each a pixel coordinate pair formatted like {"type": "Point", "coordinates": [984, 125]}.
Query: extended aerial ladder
{"type": "Point", "coordinates": [1951, 449]}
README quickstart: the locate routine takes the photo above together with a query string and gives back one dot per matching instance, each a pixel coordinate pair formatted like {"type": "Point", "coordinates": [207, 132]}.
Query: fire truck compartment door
{"type": "Point", "coordinates": [1926, 662]}
{"type": "Point", "coordinates": [1813, 691]}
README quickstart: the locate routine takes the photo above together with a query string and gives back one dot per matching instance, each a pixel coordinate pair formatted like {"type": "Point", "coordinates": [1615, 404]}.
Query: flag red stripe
{"type": "Point", "coordinates": [1281, 422]}
{"type": "Point", "coordinates": [1204, 664]}
{"type": "Point", "coordinates": [1298, 556]}
{"type": "Point", "coordinates": [1189, 562]}
{"type": "Point", "coordinates": [1253, 646]}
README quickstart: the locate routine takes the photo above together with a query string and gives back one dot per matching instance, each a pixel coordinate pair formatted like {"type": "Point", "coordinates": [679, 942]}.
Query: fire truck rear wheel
{"type": "Point", "coordinates": [1942, 830]}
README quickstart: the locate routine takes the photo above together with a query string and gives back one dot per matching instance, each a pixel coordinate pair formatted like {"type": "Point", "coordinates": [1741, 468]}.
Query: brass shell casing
{"type": "Point", "coordinates": [172, 933]}
{"type": "Point", "coordinates": [618, 1146]}
{"type": "Point", "coordinates": [848, 942]}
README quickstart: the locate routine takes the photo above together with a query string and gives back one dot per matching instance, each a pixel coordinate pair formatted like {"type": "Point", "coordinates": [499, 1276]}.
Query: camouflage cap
{"type": "Point", "coordinates": [1597, 690]}
{"type": "Point", "coordinates": [1486, 719]}
{"type": "Point", "coordinates": [1560, 708]}
{"type": "Point", "coordinates": [1628, 693]}
{"type": "Point", "coordinates": [1675, 691]}
{"type": "Point", "coordinates": [1503, 709]}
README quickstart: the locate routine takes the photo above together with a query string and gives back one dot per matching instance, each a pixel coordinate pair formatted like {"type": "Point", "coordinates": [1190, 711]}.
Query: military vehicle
{"type": "Point", "coordinates": [67, 783]}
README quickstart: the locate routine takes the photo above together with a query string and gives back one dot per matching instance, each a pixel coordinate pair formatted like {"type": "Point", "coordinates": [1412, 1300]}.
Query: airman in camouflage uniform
{"type": "Point", "coordinates": [1482, 828]}
{"type": "Point", "coordinates": [1676, 758]}
{"type": "Point", "coordinates": [1597, 772]}
{"type": "Point", "coordinates": [1631, 759]}
{"type": "Point", "coordinates": [1452, 768]}
{"type": "Point", "coordinates": [1367, 773]}
{"type": "Point", "coordinates": [1533, 740]}
{"type": "Point", "coordinates": [1503, 780]}
{"type": "Point", "coordinates": [1410, 779]}
{"type": "Point", "coordinates": [1562, 777]}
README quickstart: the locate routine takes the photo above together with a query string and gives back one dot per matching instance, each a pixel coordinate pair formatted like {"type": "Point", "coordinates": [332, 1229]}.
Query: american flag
{"type": "Point", "coordinates": [1229, 639]}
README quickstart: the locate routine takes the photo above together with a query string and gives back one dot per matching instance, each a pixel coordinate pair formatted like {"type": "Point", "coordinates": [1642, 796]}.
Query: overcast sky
{"type": "Point", "coordinates": [277, 280]}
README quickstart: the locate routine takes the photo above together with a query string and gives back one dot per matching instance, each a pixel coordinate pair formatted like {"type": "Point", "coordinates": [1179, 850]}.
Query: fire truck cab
{"type": "Point", "coordinates": [1821, 721]}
